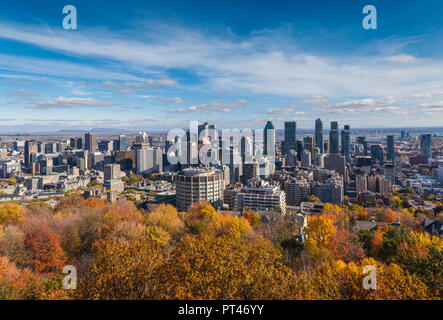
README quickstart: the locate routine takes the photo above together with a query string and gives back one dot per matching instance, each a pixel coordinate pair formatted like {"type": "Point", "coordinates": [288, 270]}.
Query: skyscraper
{"type": "Point", "coordinates": [309, 144]}
{"type": "Point", "coordinates": [377, 153]}
{"type": "Point", "coordinates": [30, 148]}
{"type": "Point", "coordinates": [346, 142]}
{"type": "Point", "coordinates": [91, 142]}
{"type": "Point", "coordinates": [290, 136]}
{"type": "Point", "coordinates": [333, 137]}
{"type": "Point", "coordinates": [122, 143]}
{"type": "Point", "coordinates": [319, 141]}
{"type": "Point", "coordinates": [362, 140]}
{"type": "Point", "coordinates": [269, 139]}
{"type": "Point", "coordinates": [426, 144]}
{"type": "Point", "coordinates": [390, 148]}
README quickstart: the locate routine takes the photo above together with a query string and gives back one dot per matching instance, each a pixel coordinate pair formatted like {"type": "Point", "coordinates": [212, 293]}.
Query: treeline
{"type": "Point", "coordinates": [121, 252]}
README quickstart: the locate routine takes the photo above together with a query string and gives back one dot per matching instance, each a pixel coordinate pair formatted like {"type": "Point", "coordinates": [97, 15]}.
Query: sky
{"type": "Point", "coordinates": [156, 65]}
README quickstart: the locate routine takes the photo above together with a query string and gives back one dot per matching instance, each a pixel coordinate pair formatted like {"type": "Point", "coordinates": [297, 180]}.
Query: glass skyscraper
{"type": "Point", "coordinates": [290, 136]}
{"type": "Point", "coordinates": [319, 142]}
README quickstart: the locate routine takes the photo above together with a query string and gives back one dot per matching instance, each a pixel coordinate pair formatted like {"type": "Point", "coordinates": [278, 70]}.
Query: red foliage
{"type": "Point", "coordinates": [46, 254]}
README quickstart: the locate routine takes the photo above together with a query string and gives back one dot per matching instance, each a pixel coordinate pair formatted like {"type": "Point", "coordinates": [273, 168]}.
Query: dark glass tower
{"type": "Point", "coordinates": [390, 148]}
{"type": "Point", "coordinates": [319, 141]}
{"type": "Point", "coordinates": [290, 136]}
{"type": "Point", "coordinates": [333, 137]}
{"type": "Point", "coordinates": [346, 142]}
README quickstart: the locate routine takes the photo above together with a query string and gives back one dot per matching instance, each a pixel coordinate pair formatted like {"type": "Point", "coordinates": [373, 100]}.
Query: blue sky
{"type": "Point", "coordinates": [150, 65]}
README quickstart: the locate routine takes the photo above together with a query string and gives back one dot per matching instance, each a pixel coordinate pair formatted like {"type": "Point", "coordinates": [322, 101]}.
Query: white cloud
{"type": "Point", "coordinates": [70, 103]}
{"type": "Point", "coordinates": [218, 106]}
{"type": "Point", "coordinates": [403, 59]}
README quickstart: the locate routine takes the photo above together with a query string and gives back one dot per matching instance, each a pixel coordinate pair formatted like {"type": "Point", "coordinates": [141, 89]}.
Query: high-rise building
{"type": "Point", "coordinates": [105, 146]}
{"type": "Point", "coordinates": [309, 144]}
{"type": "Point", "coordinates": [290, 136]}
{"type": "Point", "coordinates": [319, 140]}
{"type": "Point", "coordinates": [269, 140]}
{"type": "Point", "coordinates": [377, 153]}
{"type": "Point", "coordinates": [330, 191]}
{"type": "Point", "coordinates": [426, 145]}
{"type": "Point", "coordinates": [337, 163]}
{"type": "Point", "coordinates": [30, 148]}
{"type": "Point", "coordinates": [111, 172]}
{"type": "Point", "coordinates": [362, 141]}
{"type": "Point", "coordinates": [126, 159]}
{"type": "Point", "coordinates": [361, 183]}
{"type": "Point", "coordinates": [250, 171]}
{"type": "Point", "coordinates": [306, 159]}
{"type": "Point", "coordinates": [299, 149]}
{"type": "Point", "coordinates": [346, 142]}
{"type": "Point", "coordinates": [390, 152]}
{"type": "Point", "coordinates": [260, 196]}
{"type": "Point", "coordinates": [296, 191]}
{"type": "Point", "coordinates": [91, 142]}
{"type": "Point", "coordinates": [333, 138]}
{"type": "Point", "coordinates": [149, 160]}
{"type": "Point", "coordinates": [194, 185]}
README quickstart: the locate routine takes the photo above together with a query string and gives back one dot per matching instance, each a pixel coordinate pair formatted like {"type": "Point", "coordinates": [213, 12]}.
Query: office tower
{"type": "Point", "coordinates": [194, 185]}
{"type": "Point", "coordinates": [346, 142]}
{"type": "Point", "coordinates": [105, 146]}
{"type": "Point", "coordinates": [319, 141]}
{"type": "Point", "coordinates": [122, 143]}
{"type": "Point", "coordinates": [330, 191]}
{"type": "Point", "coordinates": [299, 149]}
{"type": "Point", "coordinates": [126, 159]}
{"type": "Point", "coordinates": [269, 140]}
{"type": "Point", "coordinates": [377, 153]}
{"type": "Point", "coordinates": [390, 155]}
{"type": "Point", "coordinates": [426, 145]}
{"type": "Point", "coordinates": [30, 148]}
{"type": "Point", "coordinates": [79, 143]}
{"type": "Point", "coordinates": [112, 171]}
{"type": "Point", "coordinates": [250, 171]}
{"type": "Point", "coordinates": [389, 171]}
{"type": "Point", "coordinates": [333, 137]}
{"type": "Point", "coordinates": [206, 126]}
{"type": "Point", "coordinates": [337, 163]}
{"type": "Point", "coordinates": [404, 134]}
{"type": "Point", "coordinates": [362, 140]}
{"type": "Point", "coordinates": [72, 143]}
{"type": "Point", "coordinates": [149, 160]}
{"type": "Point", "coordinates": [296, 191]}
{"type": "Point", "coordinates": [91, 142]}
{"type": "Point", "coordinates": [319, 160]}
{"type": "Point", "coordinates": [246, 149]}
{"type": "Point", "coordinates": [50, 147]}
{"type": "Point", "coordinates": [309, 144]}
{"type": "Point", "coordinates": [361, 183]}
{"type": "Point", "coordinates": [306, 159]}
{"type": "Point", "coordinates": [260, 196]}
{"type": "Point", "coordinates": [41, 147]}
{"type": "Point", "coordinates": [290, 136]}
{"type": "Point", "coordinates": [291, 159]}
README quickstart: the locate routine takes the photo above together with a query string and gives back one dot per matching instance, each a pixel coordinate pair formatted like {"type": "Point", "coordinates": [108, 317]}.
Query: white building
{"type": "Point", "coordinates": [149, 160]}
{"type": "Point", "coordinates": [194, 185]}
{"type": "Point", "coordinates": [260, 196]}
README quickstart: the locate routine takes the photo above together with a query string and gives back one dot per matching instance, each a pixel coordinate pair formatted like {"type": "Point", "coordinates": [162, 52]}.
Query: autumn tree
{"type": "Point", "coordinates": [45, 252]}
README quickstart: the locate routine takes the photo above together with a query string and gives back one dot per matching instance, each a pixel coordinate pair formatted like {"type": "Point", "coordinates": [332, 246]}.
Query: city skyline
{"type": "Point", "coordinates": [156, 67]}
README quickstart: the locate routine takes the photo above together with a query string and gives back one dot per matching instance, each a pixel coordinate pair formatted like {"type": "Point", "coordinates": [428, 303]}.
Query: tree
{"type": "Point", "coordinates": [312, 198]}
{"type": "Point", "coordinates": [208, 267]}
{"type": "Point", "coordinates": [122, 270]}
{"type": "Point", "coordinates": [45, 252]}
